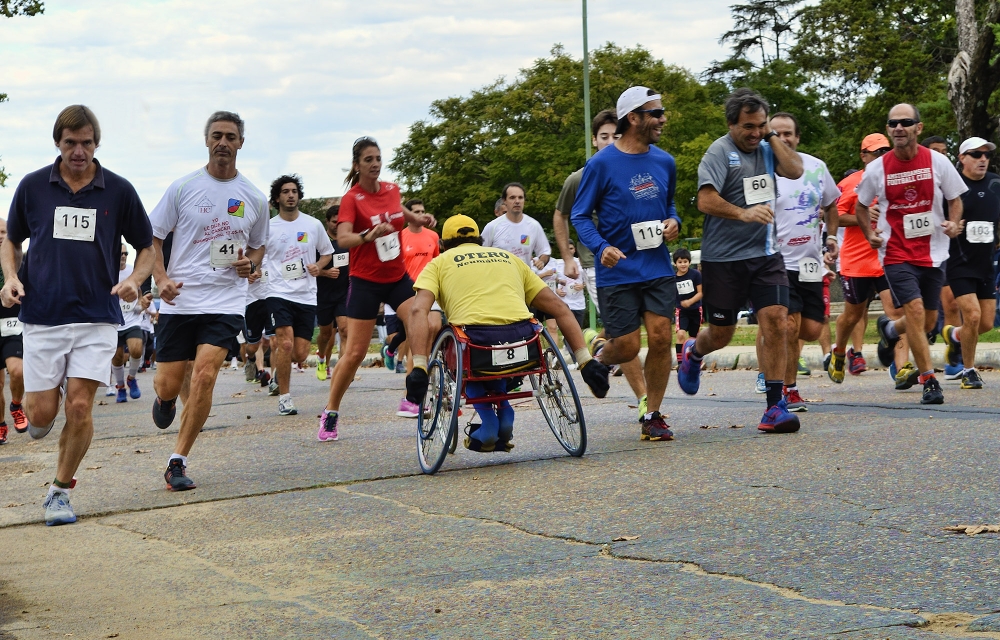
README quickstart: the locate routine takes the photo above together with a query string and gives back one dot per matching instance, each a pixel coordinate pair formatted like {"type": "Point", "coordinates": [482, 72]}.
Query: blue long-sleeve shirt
{"type": "Point", "coordinates": [625, 189]}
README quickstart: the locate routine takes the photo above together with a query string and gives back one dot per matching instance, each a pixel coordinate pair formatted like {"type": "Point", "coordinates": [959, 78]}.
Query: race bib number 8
{"type": "Point", "coordinates": [758, 189]}
{"type": "Point", "coordinates": [503, 356]}
{"type": "Point", "coordinates": [917, 225]}
{"type": "Point", "coordinates": [71, 223]}
{"type": "Point", "coordinates": [388, 247]}
{"type": "Point", "coordinates": [809, 270]}
{"type": "Point", "coordinates": [979, 232]}
{"type": "Point", "coordinates": [10, 327]}
{"type": "Point", "coordinates": [647, 235]}
{"type": "Point", "coordinates": [293, 269]}
{"type": "Point", "coordinates": [224, 253]}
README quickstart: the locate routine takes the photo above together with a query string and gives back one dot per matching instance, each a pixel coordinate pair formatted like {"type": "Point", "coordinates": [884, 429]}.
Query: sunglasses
{"type": "Point", "coordinates": [906, 122]}
{"type": "Point", "coordinates": [653, 113]}
{"type": "Point", "coordinates": [364, 139]}
{"type": "Point", "coordinates": [979, 154]}
{"type": "Point", "coordinates": [879, 152]}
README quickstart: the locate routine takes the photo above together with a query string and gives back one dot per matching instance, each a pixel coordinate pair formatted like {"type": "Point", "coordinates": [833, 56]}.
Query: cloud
{"type": "Point", "coordinates": [309, 77]}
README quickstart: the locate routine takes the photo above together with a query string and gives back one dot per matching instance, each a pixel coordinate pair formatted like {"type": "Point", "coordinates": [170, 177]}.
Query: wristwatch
{"type": "Point", "coordinates": [364, 234]}
{"type": "Point", "coordinates": [253, 267]}
{"type": "Point", "coordinates": [769, 135]}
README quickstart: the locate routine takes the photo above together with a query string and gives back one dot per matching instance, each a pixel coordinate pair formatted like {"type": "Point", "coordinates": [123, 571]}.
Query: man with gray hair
{"type": "Point", "coordinates": [499, 208]}
{"type": "Point", "coordinates": [218, 221]}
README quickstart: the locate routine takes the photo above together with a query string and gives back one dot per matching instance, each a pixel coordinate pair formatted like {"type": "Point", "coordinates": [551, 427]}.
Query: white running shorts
{"type": "Point", "coordinates": [78, 350]}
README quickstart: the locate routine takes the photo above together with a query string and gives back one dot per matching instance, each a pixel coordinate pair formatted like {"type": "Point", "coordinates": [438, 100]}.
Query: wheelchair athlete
{"type": "Point", "coordinates": [487, 292]}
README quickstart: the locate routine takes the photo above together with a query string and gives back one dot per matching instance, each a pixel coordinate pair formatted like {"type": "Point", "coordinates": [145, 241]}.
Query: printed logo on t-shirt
{"type": "Point", "coordinates": [236, 208]}
{"type": "Point", "coordinates": [205, 205]}
{"type": "Point", "coordinates": [525, 240]}
{"type": "Point", "coordinates": [734, 159]}
{"type": "Point", "coordinates": [643, 187]}
{"type": "Point", "coordinates": [302, 236]}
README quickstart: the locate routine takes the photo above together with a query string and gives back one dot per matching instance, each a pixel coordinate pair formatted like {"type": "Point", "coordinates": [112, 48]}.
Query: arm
{"type": "Point", "coordinates": [672, 223]}
{"type": "Point", "coordinates": [423, 219]}
{"type": "Point", "coordinates": [711, 203]}
{"type": "Point", "coordinates": [417, 329]}
{"type": "Point", "coordinates": [168, 288]}
{"type": "Point", "coordinates": [347, 239]}
{"type": "Point", "coordinates": [789, 162]}
{"type": "Point", "coordinates": [243, 260]}
{"type": "Point", "coordinates": [865, 224]}
{"type": "Point", "coordinates": [954, 224]}
{"type": "Point", "coordinates": [13, 290]}
{"type": "Point", "coordinates": [129, 288]}
{"type": "Point", "coordinates": [832, 220]}
{"type": "Point", "coordinates": [315, 269]}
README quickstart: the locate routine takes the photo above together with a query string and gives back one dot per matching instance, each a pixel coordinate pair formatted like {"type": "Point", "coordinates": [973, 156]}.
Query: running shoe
{"type": "Point", "coordinates": [826, 361]}
{"type": "Point", "coordinates": [688, 371]}
{"type": "Point", "coordinates": [250, 370]}
{"type": "Point", "coordinates": [761, 384]}
{"type": "Point", "coordinates": [286, 407]}
{"type": "Point", "coordinates": [886, 346]}
{"type": "Point", "coordinates": [20, 419]}
{"type": "Point", "coordinates": [794, 401]}
{"type": "Point", "coordinates": [122, 394]}
{"type": "Point", "coordinates": [177, 479]}
{"type": "Point", "coordinates": [327, 426]}
{"type": "Point", "coordinates": [643, 407]}
{"type": "Point", "coordinates": [655, 429]}
{"type": "Point", "coordinates": [272, 388]}
{"type": "Point", "coordinates": [777, 419]}
{"type": "Point", "coordinates": [953, 372]}
{"type": "Point", "coordinates": [133, 388]}
{"type": "Point", "coordinates": [596, 346]}
{"type": "Point", "coordinates": [952, 349]}
{"type": "Point", "coordinates": [57, 508]}
{"type": "Point", "coordinates": [234, 364]}
{"type": "Point", "coordinates": [164, 412]}
{"type": "Point", "coordinates": [971, 380]}
{"type": "Point", "coordinates": [264, 377]}
{"type": "Point", "coordinates": [932, 337]}
{"type": "Point", "coordinates": [400, 367]}
{"type": "Point", "coordinates": [588, 336]}
{"type": "Point", "coordinates": [932, 392]}
{"type": "Point", "coordinates": [835, 368]}
{"type": "Point", "coordinates": [388, 359]}
{"type": "Point", "coordinates": [615, 370]}
{"type": "Point", "coordinates": [408, 409]}
{"type": "Point", "coordinates": [856, 363]}
{"type": "Point", "coordinates": [321, 371]}
{"type": "Point", "coordinates": [110, 391]}
{"type": "Point", "coordinates": [804, 368]}
{"type": "Point", "coordinates": [3, 432]}
{"type": "Point", "coordinates": [907, 377]}
{"type": "Point", "coordinates": [892, 371]}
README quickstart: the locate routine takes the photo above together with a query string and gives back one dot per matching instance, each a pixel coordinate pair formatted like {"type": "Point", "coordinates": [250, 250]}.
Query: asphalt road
{"type": "Point", "coordinates": [834, 532]}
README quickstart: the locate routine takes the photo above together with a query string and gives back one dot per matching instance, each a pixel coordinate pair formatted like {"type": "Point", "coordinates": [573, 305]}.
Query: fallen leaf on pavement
{"type": "Point", "coordinates": [813, 399]}
{"type": "Point", "coordinates": [711, 394]}
{"type": "Point", "coordinates": [238, 394]}
{"type": "Point", "coordinates": [624, 538]}
{"type": "Point", "coordinates": [101, 403]}
{"type": "Point", "coordinates": [14, 504]}
{"type": "Point", "coordinates": [142, 450]}
{"type": "Point", "coordinates": [736, 426]}
{"type": "Point", "coordinates": [824, 386]}
{"type": "Point", "coordinates": [709, 426]}
{"type": "Point", "coordinates": [974, 529]}
{"type": "Point", "coordinates": [93, 468]}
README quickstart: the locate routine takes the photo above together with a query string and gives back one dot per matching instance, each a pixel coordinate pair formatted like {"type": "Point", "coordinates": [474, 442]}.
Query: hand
{"type": "Point", "coordinates": [760, 213]}
{"type": "Point", "coordinates": [579, 286]}
{"type": "Point", "coordinates": [571, 270]}
{"type": "Point", "coordinates": [595, 374]}
{"type": "Point", "coordinates": [379, 230]}
{"type": "Point", "coordinates": [832, 251]}
{"type": "Point", "coordinates": [255, 276]}
{"type": "Point", "coordinates": [538, 262]}
{"type": "Point", "coordinates": [126, 290]}
{"type": "Point", "coordinates": [875, 239]}
{"type": "Point", "coordinates": [242, 264]}
{"type": "Point", "coordinates": [670, 230]}
{"type": "Point", "coordinates": [12, 293]}
{"type": "Point", "coordinates": [312, 269]}
{"type": "Point", "coordinates": [170, 290]}
{"type": "Point", "coordinates": [548, 273]}
{"type": "Point", "coordinates": [610, 257]}
{"type": "Point", "coordinates": [953, 229]}
{"type": "Point", "coordinates": [416, 386]}
{"type": "Point", "coordinates": [145, 301]}
{"type": "Point", "coordinates": [333, 272]}
{"type": "Point", "coordinates": [685, 303]}
{"type": "Point", "coordinates": [427, 220]}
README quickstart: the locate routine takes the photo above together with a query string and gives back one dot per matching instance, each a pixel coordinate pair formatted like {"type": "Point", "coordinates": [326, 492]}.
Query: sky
{"type": "Point", "coordinates": [309, 77]}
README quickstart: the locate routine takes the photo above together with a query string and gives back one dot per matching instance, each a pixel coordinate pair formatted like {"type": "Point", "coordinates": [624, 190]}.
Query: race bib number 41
{"type": "Point", "coordinates": [224, 253]}
{"type": "Point", "coordinates": [979, 232]}
{"type": "Point", "coordinates": [917, 225]}
{"type": "Point", "coordinates": [71, 223]}
{"type": "Point", "coordinates": [647, 235]}
{"type": "Point", "coordinates": [388, 247]}
{"type": "Point", "coordinates": [758, 189]}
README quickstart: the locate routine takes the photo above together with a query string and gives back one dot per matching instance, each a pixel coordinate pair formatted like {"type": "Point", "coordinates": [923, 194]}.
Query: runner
{"type": "Point", "coordinates": [911, 183]}
{"type": "Point", "coordinates": [11, 355]}
{"type": "Point", "coordinates": [256, 326]}
{"type": "Point", "coordinates": [739, 253]}
{"type": "Point", "coordinates": [371, 217]}
{"type": "Point", "coordinates": [219, 222]}
{"type": "Point", "coordinates": [331, 297]}
{"type": "Point", "coordinates": [130, 338]}
{"type": "Point", "coordinates": [630, 184]}
{"type": "Point", "coordinates": [970, 261]}
{"type": "Point", "coordinates": [688, 316]}
{"type": "Point", "coordinates": [490, 298]}
{"type": "Point", "coordinates": [571, 289]}
{"type": "Point", "coordinates": [70, 338]}
{"type": "Point", "coordinates": [295, 241]}
{"type": "Point", "coordinates": [802, 206]}
{"type": "Point", "coordinates": [518, 232]}
{"type": "Point", "coordinates": [604, 126]}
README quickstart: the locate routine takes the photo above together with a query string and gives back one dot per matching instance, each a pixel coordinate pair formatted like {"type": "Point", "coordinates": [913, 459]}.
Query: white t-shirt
{"type": "Point", "coordinates": [290, 247]}
{"type": "Point", "coordinates": [798, 213]}
{"type": "Point", "coordinates": [260, 289]}
{"type": "Point", "coordinates": [203, 212]}
{"type": "Point", "coordinates": [131, 311]}
{"type": "Point", "coordinates": [574, 299]}
{"type": "Point", "coordinates": [525, 239]}
{"type": "Point", "coordinates": [146, 323]}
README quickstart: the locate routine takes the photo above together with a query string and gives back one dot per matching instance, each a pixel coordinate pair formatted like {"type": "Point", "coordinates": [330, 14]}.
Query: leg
{"type": "Point", "coordinates": [633, 372]}
{"type": "Point", "coordinates": [773, 324]}
{"type": "Point", "coordinates": [951, 307]}
{"type": "Point", "coordinates": [198, 404]}
{"type": "Point", "coordinates": [972, 317]}
{"type": "Point", "coordinates": [858, 335]}
{"type": "Point", "coordinates": [658, 360]}
{"type": "Point", "coordinates": [281, 356]}
{"type": "Point", "coordinates": [792, 347]}
{"type": "Point", "coordinates": [915, 316]}
{"type": "Point", "coordinates": [15, 366]}
{"type": "Point", "coordinates": [358, 337]}
{"type": "Point", "coordinates": [342, 331]}
{"type": "Point", "coordinates": [324, 340]}
{"type": "Point", "coordinates": [847, 324]}
{"type": "Point", "coordinates": [79, 429]}
{"type": "Point", "coordinates": [824, 337]}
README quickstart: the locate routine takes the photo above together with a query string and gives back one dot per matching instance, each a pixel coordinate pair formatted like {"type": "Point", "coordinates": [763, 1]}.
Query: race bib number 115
{"type": "Point", "coordinates": [71, 223]}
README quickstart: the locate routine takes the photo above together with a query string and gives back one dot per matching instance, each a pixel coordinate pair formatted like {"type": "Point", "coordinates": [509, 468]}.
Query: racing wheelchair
{"type": "Point", "coordinates": [456, 359]}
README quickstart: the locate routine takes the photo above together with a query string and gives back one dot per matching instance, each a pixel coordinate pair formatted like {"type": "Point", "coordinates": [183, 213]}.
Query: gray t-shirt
{"type": "Point", "coordinates": [723, 167]}
{"type": "Point", "coordinates": [565, 205]}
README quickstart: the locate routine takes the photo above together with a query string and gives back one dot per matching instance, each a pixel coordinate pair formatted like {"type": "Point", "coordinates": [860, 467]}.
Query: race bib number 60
{"type": "Point", "coordinates": [917, 225]}
{"type": "Point", "coordinates": [758, 189]}
{"type": "Point", "coordinates": [224, 253]}
{"type": "Point", "coordinates": [71, 223]}
{"type": "Point", "coordinates": [647, 235]}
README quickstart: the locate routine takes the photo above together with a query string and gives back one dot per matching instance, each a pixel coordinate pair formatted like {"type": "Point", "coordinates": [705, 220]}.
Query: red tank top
{"type": "Point", "coordinates": [909, 189]}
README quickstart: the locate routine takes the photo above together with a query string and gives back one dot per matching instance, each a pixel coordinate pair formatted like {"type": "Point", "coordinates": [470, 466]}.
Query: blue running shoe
{"type": "Point", "coordinates": [133, 388]}
{"type": "Point", "coordinates": [122, 395]}
{"type": "Point", "coordinates": [953, 372]}
{"type": "Point", "coordinates": [688, 371]}
{"type": "Point", "coordinates": [893, 371]}
{"type": "Point", "coordinates": [761, 385]}
{"type": "Point", "coordinates": [777, 419]}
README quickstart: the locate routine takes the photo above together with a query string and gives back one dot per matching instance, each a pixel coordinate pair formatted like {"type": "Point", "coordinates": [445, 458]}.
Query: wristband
{"type": "Point", "coordinates": [582, 356]}
{"type": "Point", "coordinates": [364, 235]}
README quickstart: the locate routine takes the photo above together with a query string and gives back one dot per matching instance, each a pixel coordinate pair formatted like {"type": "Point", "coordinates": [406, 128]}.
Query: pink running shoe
{"type": "Point", "coordinates": [327, 426]}
{"type": "Point", "coordinates": [408, 409]}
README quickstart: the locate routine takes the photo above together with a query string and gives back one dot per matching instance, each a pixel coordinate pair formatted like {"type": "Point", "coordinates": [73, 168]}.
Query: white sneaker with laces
{"type": "Point", "coordinates": [285, 405]}
{"type": "Point", "coordinates": [57, 508]}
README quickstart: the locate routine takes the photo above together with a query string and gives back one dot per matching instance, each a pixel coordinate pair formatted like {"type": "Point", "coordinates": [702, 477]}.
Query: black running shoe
{"type": "Point", "coordinates": [886, 346]}
{"type": "Point", "coordinates": [164, 412]}
{"type": "Point", "coordinates": [932, 392]}
{"type": "Point", "coordinates": [971, 380]}
{"type": "Point", "coordinates": [176, 479]}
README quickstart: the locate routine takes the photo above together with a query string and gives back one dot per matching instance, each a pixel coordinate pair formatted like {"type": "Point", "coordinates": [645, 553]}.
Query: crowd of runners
{"type": "Point", "coordinates": [912, 228]}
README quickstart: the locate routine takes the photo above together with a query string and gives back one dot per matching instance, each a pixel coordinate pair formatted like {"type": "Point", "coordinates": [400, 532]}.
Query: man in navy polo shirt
{"type": "Point", "coordinates": [75, 212]}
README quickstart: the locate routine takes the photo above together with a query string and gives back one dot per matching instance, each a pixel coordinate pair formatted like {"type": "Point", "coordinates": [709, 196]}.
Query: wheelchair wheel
{"type": "Point", "coordinates": [558, 399]}
{"type": "Point", "coordinates": [437, 421]}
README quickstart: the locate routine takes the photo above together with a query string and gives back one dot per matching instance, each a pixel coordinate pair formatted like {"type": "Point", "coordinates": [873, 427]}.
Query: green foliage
{"type": "Point", "coordinates": [11, 8]}
{"type": "Point", "coordinates": [530, 130]}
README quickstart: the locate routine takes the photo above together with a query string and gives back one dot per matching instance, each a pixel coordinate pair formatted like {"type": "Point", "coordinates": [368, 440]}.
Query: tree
{"type": "Point", "coordinates": [9, 9]}
{"type": "Point", "coordinates": [975, 72]}
{"type": "Point", "coordinates": [530, 130]}
{"type": "Point", "coordinates": [759, 26]}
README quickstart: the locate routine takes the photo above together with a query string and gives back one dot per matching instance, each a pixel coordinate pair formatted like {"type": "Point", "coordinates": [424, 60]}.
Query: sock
{"type": "Point", "coordinates": [968, 369]}
{"type": "Point", "coordinates": [890, 330]}
{"type": "Point", "coordinates": [925, 376]}
{"type": "Point", "coordinates": [59, 485]}
{"type": "Point", "coordinates": [773, 392]}
{"type": "Point", "coordinates": [119, 375]}
{"type": "Point", "coordinates": [582, 357]}
{"type": "Point", "coordinates": [285, 396]}
{"type": "Point", "coordinates": [321, 360]}
{"type": "Point", "coordinates": [787, 388]}
{"type": "Point", "coordinates": [133, 366]}
{"type": "Point", "coordinates": [955, 335]}
{"type": "Point", "coordinates": [177, 456]}
{"type": "Point", "coordinates": [677, 348]}
{"type": "Point", "coordinates": [858, 354]}
{"type": "Point", "coordinates": [15, 406]}
{"type": "Point", "coordinates": [694, 355]}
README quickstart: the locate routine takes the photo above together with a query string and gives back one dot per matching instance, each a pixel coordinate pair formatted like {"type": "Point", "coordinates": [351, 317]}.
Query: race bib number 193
{"type": "Point", "coordinates": [71, 223]}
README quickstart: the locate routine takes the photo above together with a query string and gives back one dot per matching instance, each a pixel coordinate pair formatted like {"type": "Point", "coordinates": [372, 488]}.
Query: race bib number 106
{"type": "Point", "coordinates": [917, 225]}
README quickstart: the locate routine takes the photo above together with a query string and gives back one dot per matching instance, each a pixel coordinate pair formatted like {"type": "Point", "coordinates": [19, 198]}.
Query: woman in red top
{"type": "Point", "coordinates": [371, 217]}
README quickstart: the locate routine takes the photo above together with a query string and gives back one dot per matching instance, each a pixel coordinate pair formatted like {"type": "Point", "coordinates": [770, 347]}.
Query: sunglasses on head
{"type": "Point", "coordinates": [906, 122]}
{"type": "Point", "coordinates": [979, 154]}
{"type": "Point", "coordinates": [364, 139]}
{"type": "Point", "coordinates": [653, 113]}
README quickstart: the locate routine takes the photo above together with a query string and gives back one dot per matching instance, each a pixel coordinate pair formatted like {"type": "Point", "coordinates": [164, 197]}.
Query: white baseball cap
{"type": "Point", "coordinates": [631, 99]}
{"type": "Point", "coordinates": [974, 143]}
